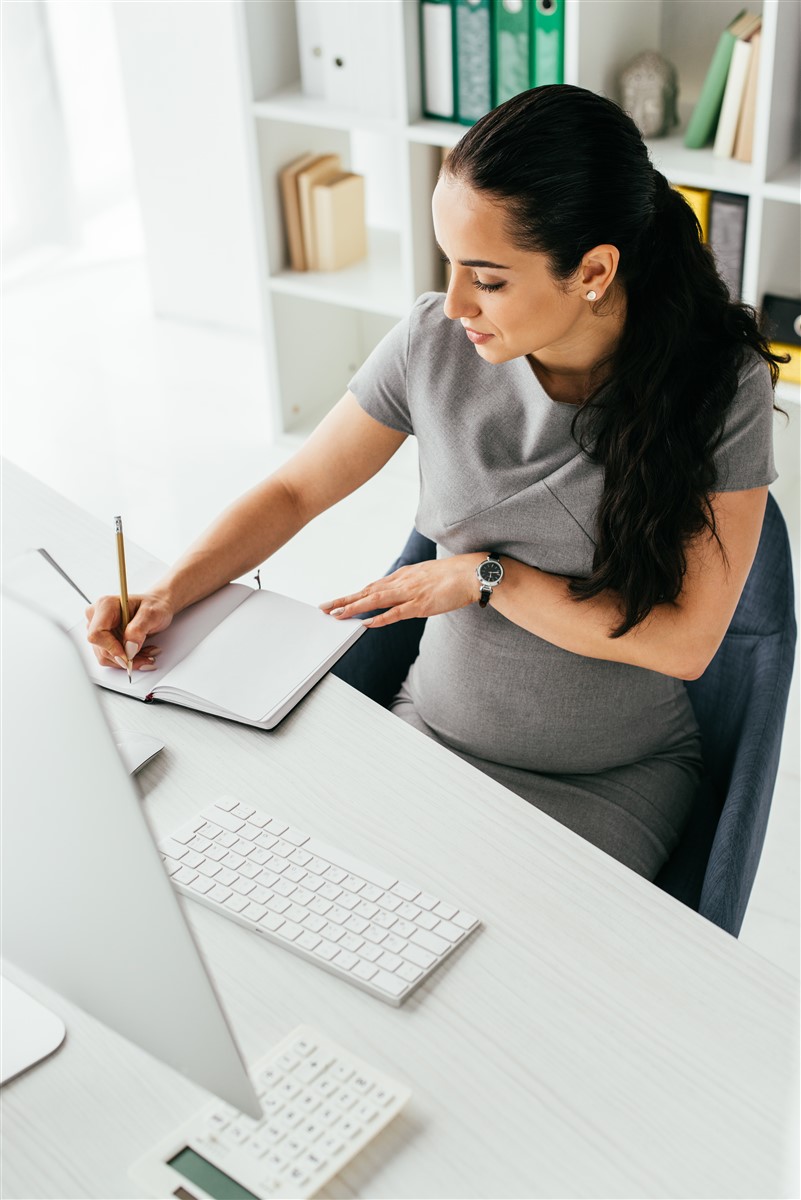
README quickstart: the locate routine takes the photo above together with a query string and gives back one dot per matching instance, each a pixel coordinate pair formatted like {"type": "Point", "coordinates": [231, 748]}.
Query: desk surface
{"type": "Point", "coordinates": [594, 1039]}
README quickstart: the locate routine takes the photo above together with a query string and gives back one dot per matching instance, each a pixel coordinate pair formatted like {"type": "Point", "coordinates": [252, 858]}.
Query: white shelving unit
{"type": "Point", "coordinates": [318, 327]}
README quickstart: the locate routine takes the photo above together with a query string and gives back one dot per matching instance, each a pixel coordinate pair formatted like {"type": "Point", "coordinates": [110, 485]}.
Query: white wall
{"type": "Point", "coordinates": [188, 123]}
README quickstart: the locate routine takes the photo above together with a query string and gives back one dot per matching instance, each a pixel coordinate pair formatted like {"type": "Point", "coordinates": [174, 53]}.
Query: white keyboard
{"type": "Point", "coordinates": [378, 932]}
{"type": "Point", "coordinates": [321, 1106]}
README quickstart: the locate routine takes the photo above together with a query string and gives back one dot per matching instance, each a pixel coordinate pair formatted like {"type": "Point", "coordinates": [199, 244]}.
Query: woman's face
{"type": "Point", "coordinates": [505, 298]}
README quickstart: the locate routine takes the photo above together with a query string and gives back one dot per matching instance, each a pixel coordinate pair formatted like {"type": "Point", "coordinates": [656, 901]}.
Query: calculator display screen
{"type": "Point", "coordinates": [213, 1181]}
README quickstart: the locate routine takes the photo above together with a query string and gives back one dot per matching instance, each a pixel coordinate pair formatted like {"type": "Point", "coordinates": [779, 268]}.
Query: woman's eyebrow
{"type": "Point", "coordinates": [475, 262]}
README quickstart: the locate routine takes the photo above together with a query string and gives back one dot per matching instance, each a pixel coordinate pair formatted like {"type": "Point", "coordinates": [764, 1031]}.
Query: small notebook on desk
{"type": "Point", "coordinates": [243, 654]}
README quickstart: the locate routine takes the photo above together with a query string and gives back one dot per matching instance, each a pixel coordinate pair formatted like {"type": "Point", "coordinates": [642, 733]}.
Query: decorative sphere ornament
{"type": "Point", "coordinates": [648, 87]}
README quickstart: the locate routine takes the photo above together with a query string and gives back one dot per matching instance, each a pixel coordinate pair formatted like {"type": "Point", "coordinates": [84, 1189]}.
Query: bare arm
{"type": "Point", "coordinates": [347, 448]}
{"type": "Point", "coordinates": [675, 639]}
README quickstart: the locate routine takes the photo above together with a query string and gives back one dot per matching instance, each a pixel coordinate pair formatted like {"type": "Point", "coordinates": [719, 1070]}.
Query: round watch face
{"type": "Point", "coordinates": [491, 572]}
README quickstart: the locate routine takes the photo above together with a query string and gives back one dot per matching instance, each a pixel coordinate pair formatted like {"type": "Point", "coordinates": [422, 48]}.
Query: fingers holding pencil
{"type": "Point", "coordinates": [115, 646]}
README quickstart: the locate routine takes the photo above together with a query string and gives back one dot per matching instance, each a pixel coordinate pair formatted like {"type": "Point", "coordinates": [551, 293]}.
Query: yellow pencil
{"type": "Point", "coordinates": [123, 588]}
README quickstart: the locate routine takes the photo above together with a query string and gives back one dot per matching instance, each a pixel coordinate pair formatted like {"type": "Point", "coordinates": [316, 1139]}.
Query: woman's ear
{"type": "Point", "coordinates": [598, 270]}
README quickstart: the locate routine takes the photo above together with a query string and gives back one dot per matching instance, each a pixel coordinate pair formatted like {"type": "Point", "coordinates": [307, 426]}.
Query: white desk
{"type": "Point", "coordinates": [625, 1048]}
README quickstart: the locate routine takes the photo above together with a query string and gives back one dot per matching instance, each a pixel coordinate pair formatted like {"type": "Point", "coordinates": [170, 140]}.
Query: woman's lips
{"type": "Point", "coordinates": [477, 338]}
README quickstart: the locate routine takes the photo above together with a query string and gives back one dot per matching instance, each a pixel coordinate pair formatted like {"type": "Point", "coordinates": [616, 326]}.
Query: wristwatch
{"type": "Point", "coordinates": [490, 574]}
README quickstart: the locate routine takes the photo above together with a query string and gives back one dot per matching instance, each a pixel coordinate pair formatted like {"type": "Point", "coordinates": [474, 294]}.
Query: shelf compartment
{"type": "Point", "coordinates": [322, 345]}
{"type": "Point", "coordinates": [785, 185]}
{"type": "Point", "coordinates": [700, 168]}
{"type": "Point", "coordinates": [293, 106]}
{"type": "Point", "coordinates": [376, 284]}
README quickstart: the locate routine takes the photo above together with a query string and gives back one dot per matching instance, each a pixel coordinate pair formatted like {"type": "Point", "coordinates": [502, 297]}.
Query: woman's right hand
{"type": "Point", "coordinates": [148, 614]}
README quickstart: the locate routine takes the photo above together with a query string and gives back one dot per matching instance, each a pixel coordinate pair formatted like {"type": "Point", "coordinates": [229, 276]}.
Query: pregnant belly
{"type": "Point", "coordinates": [491, 689]}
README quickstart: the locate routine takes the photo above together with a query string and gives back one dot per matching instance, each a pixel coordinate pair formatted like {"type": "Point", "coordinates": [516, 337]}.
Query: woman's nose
{"type": "Point", "coordinates": [461, 300]}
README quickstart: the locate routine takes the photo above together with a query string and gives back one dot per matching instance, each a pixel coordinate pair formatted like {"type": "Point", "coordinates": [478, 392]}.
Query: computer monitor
{"type": "Point", "coordinates": [88, 908]}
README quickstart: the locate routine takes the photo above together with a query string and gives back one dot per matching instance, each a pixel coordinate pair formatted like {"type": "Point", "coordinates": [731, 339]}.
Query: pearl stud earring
{"type": "Point", "coordinates": [592, 295]}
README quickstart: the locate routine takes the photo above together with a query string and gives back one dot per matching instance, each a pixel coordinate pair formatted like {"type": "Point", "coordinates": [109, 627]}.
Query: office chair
{"type": "Point", "coordinates": [740, 703]}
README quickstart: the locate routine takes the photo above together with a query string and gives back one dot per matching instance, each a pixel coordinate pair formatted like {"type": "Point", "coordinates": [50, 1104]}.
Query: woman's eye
{"type": "Point", "coordinates": [487, 287]}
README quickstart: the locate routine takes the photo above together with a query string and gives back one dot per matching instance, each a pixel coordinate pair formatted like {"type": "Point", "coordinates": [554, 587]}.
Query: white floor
{"type": "Point", "coordinates": [165, 423]}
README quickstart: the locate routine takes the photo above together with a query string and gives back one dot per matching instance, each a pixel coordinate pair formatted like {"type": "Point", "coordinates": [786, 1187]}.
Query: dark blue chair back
{"type": "Point", "coordinates": [740, 703]}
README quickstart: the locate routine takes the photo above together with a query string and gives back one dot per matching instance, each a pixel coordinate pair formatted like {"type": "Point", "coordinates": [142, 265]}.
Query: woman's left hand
{"type": "Point", "coordinates": [420, 590]}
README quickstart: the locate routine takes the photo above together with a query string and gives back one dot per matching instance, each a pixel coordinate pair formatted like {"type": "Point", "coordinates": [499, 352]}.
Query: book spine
{"type": "Point", "coordinates": [511, 28]}
{"type": "Point", "coordinates": [744, 140]}
{"type": "Point", "coordinates": [473, 60]}
{"type": "Point", "coordinates": [340, 230]}
{"type": "Point", "coordinates": [548, 43]}
{"type": "Point", "coordinates": [436, 41]}
{"type": "Point", "coordinates": [727, 222]}
{"type": "Point", "coordinates": [705, 114]}
{"type": "Point", "coordinates": [732, 100]}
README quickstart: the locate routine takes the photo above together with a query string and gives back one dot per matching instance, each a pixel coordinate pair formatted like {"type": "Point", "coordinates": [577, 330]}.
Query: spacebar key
{"type": "Point", "coordinates": [347, 862]}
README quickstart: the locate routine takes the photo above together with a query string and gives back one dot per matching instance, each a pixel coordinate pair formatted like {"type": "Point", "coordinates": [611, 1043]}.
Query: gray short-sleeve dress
{"type": "Point", "coordinates": [610, 750]}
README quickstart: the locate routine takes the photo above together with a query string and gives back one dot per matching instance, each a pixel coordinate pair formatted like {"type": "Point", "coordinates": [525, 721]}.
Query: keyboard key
{"type": "Point", "coordinates": [172, 847]}
{"type": "Point", "coordinates": [225, 820]}
{"type": "Point", "coordinates": [243, 886]}
{"type": "Point", "coordinates": [450, 932]}
{"type": "Point", "coordinates": [418, 956]}
{"type": "Point", "coordinates": [409, 972]}
{"type": "Point", "coordinates": [236, 902]}
{"type": "Point", "coordinates": [303, 1047]}
{"type": "Point", "coordinates": [184, 875]}
{"type": "Point", "coordinates": [427, 920]}
{"type": "Point", "coordinates": [201, 884]}
{"type": "Point", "coordinates": [327, 950]}
{"type": "Point", "coordinates": [406, 891]}
{"type": "Point", "coordinates": [188, 831]}
{"type": "Point", "coordinates": [391, 984]}
{"type": "Point", "coordinates": [364, 970]}
{"type": "Point", "coordinates": [465, 920]}
{"type": "Point", "coordinates": [226, 802]}
{"type": "Point", "coordinates": [308, 940]}
{"type": "Point", "coordinates": [429, 941]}
{"type": "Point", "coordinates": [209, 868]}
{"type": "Point", "coordinates": [219, 893]}
{"type": "Point", "coordinates": [370, 952]}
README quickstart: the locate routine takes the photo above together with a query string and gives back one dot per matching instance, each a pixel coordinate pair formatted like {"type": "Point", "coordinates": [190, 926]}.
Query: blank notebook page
{"type": "Point", "coordinates": [252, 662]}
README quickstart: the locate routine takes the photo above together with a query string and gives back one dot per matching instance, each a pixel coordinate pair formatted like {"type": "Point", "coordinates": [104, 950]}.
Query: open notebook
{"type": "Point", "coordinates": [243, 654]}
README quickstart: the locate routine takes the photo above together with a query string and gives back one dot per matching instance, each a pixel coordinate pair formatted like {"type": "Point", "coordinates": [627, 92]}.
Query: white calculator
{"type": "Point", "coordinates": [321, 1105]}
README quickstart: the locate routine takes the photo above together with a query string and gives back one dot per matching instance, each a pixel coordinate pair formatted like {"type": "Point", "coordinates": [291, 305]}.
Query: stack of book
{"type": "Point", "coordinates": [724, 113]}
{"type": "Point", "coordinates": [323, 213]}
{"type": "Point", "coordinates": [722, 217]}
{"type": "Point", "coordinates": [478, 53]}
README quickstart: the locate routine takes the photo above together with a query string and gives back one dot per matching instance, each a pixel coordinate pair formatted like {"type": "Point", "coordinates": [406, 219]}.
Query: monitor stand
{"type": "Point", "coordinates": [30, 1031]}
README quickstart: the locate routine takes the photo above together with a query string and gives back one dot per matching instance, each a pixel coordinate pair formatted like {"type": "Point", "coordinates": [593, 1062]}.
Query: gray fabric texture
{"type": "Point", "coordinates": [610, 750]}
